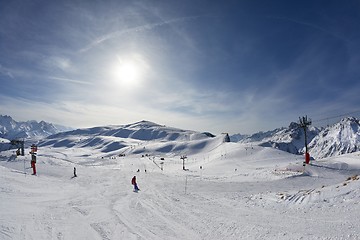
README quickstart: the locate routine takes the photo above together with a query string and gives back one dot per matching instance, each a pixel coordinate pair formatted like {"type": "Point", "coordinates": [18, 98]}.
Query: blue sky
{"type": "Point", "coordinates": [218, 66]}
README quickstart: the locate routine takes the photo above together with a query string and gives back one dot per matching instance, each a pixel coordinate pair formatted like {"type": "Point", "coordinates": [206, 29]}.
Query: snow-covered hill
{"type": "Point", "coordinates": [340, 138]}
{"type": "Point", "coordinates": [138, 138]}
{"type": "Point", "coordinates": [11, 129]}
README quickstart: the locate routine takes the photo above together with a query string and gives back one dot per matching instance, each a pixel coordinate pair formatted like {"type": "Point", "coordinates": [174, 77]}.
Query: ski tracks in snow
{"type": "Point", "coordinates": [151, 214]}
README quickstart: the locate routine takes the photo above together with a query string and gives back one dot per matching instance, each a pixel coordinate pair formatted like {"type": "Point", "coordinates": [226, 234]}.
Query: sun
{"type": "Point", "coordinates": [127, 72]}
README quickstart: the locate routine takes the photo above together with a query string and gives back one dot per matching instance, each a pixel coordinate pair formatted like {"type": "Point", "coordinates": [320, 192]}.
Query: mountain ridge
{"type": "Point", "coordinates": [341, 138]}
{"type": "Point", "coordinates": [142, 137]}
{"type": "Point", "coordinates": [11, 129]}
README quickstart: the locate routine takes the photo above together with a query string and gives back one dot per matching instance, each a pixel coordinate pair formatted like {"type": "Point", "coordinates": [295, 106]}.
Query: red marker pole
{"type": "Point", "coordinates": [307, 158]}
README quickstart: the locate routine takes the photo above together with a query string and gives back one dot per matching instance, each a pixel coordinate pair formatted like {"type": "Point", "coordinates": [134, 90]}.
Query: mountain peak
{"type": "Point", "coordinates": [294, 125]}
{"type": "Point", "coordinates": [349, 120]}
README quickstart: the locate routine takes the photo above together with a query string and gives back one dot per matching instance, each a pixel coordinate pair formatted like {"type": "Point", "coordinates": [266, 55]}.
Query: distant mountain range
{"type": "Point", "coordinates": [148, 137]}
{"type": "Point", "coordinates": [11, 129]}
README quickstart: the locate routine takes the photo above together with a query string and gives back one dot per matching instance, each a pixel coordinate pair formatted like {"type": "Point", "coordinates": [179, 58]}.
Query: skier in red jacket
{"type": "Point", "coordinates": [33, 163]}
{"type": "Point", "coordinates": [33, 158]}
{"type": "Point", "coordinates": [133, 182]}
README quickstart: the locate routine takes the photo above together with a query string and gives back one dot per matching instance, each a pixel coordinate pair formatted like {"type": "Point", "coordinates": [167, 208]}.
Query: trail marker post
{"type": "Point", "coordinates": [304, 123]}
{"type": "Point", "coordinates": [183, 159]}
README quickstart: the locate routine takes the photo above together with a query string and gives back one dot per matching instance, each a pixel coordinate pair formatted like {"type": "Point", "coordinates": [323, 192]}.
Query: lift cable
{"type": "Point", "coordinates": [332, 117]}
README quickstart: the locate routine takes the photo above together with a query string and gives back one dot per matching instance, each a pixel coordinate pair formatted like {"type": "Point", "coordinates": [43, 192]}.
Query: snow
{"type": "Point", "coordinates": [230, 191]}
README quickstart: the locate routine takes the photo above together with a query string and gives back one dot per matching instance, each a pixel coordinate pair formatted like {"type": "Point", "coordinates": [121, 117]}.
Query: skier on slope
{"type": "Point", "coordinates": [133, 182]}
{"type": "Point", "coordinates": [33, 158]}
{"type": "Point", "coordinates": [33, 163]}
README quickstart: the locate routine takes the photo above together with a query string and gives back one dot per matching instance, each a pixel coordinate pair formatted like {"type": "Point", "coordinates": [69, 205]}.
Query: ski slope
{"type": "Point", "coordinates": [230, 191]}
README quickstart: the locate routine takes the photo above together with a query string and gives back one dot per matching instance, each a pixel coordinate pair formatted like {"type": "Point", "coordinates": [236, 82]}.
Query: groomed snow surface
{"type": "Point", "coordinates": [230, 191]}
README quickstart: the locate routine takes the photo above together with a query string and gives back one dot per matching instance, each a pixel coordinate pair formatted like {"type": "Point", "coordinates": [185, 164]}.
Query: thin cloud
{"type": "Point", "coordinates": [71, 80]}
{"type": "Point", "coordinates": [6, 72]}
{"type": "Point", "coordinates": [142, 28]}
{"type": "Point", "coordinates": [55, 62]}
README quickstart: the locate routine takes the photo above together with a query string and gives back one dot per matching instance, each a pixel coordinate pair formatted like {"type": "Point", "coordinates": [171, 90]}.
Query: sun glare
{"type": "Point", "coordinates": [126, 73]}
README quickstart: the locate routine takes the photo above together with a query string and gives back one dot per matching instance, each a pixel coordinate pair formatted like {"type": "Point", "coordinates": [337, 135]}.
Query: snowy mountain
{"type": "Point", "coordinates": [138, 138]}
{"type": "Point", "coordinates": [343, 137]}
{"type": "Point", "coordinates": [11, 129]}
{"type": "Point", "coordinates": [146, 137]}
{"type": "Point", "coordinates": [290, 139]}
{"type": "Point", "coordinates": [28, 131]}
{"type": "Point", "coordinates": [260, 136]}
{"type": "Point", "coordinates": [238, 137]}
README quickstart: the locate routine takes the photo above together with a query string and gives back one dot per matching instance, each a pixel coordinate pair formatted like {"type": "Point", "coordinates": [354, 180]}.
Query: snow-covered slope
{"type": "Point", "coordinates": [228, 192]}
{"type": "Point", "coordinates": [11, 129]}
{"type": "Point", "coordinates": [138, 138]}
{"type": "Point", "coordinates": [343, 137]}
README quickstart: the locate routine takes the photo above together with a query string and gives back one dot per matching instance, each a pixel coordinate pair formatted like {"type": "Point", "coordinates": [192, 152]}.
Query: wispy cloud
{"type": "Point", "coordinates": [4, 71]}
{"type": "Point", "coordinates": [71, 80]}
{"type": "Point", "coordinates": [56, 62]}
{"type": "Point", "coordinates": [142, 28]}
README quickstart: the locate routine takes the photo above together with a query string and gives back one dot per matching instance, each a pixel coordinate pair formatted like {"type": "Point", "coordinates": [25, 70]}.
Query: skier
{"type": "Point", "coordinates": [133, 182]}
{"type": "Point", "coordinates": [33, 162]}
{"type": "Point", "coordinates": [33, 158]}
{"type": "Point", "coordinates": [75, 172]}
